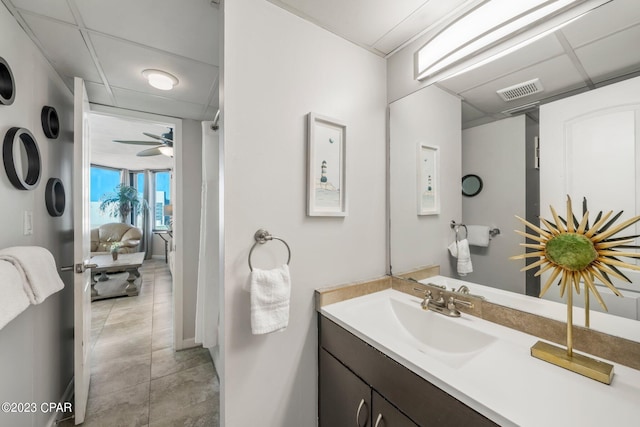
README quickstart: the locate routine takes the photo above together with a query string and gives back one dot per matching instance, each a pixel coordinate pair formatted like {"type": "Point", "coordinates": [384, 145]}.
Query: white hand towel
{"type": "Point", "coordinates": [270, 295]}
{"type": "Point", "coordinates": [478, 235]}
{"type": "Point", "coordinates": [38, 269]}
{"type": "Point", "coordinates": [460, 250]}
{"type": "Point", "coordinates": [13, 299]}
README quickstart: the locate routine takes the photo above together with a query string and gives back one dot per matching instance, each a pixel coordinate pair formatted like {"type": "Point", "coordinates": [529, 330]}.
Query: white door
{"type": "Point", "coordinates": [81, 250]}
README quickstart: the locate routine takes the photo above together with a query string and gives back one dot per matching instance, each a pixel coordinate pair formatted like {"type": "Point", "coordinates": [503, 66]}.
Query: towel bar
{"type": "Point", "coordinates": [456, 227]}
{"type": "Point", "coordinates": [262, 236]}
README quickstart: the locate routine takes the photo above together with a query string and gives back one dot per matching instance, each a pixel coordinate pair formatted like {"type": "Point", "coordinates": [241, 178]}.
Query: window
{"type": "Point", "coordinates": [163, 209]}
{"type": "Point", "coordinates": [103, 181]}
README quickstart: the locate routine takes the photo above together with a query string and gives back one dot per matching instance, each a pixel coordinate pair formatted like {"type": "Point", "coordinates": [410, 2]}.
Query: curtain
{"type": "Point", "coordinates": [146, 245]}
{"type": "Point", "coordinates": [208, 298]}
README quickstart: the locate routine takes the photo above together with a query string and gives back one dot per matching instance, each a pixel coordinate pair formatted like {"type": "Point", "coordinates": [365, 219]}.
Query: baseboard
{"type": "Point", "coordinates": [188, 343]}
{"type": "Point", "coordinates": [215, 357]}
{"type": "Point", "coordinates": [66, 397]}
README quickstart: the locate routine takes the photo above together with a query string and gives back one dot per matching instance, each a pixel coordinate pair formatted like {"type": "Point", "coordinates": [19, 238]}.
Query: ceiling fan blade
{"type": "Point", "coordinates": [156, 151]}
{"type": "Point", "coordinates": [161, 138]}
{"type": "Point", "coordinates": [136, 142]}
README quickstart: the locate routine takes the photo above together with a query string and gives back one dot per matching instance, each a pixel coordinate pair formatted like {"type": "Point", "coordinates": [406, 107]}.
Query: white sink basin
{"type": "Point", "coordinates": [445, 334]}
{"type": "Point", "coordinates": [393, 316]}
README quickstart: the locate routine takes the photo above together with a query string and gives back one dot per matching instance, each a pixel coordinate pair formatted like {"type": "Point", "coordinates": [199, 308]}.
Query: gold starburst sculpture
{"type": "Point", "coordinates": [573, 251]}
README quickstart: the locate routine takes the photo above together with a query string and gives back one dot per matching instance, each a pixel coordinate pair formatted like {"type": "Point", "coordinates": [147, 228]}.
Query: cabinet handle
{"type": "Point", "coordinates": [378, 420]}
{"type": "Point", "coordinates": [362, 403]}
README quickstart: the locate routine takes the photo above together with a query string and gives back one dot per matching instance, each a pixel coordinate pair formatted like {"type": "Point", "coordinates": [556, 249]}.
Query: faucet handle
{"type": "Point", "coordinates": [453, 302]}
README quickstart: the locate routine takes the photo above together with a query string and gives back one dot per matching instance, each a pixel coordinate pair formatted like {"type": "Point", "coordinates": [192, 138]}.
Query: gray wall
{"type": "Point", "coordinates": [429, 116]}
{"type": "Point", "coordinates": [36, 348]}
{"type": "Point", "coordinates": [191, 194]}
{"type": "Point", "coordinates": [278, 68]}
{"type": "Point", "coordinates": [496, 152]}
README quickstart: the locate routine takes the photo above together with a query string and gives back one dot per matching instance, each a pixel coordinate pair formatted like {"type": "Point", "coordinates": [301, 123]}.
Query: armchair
{"type": "Point", "coordinates": [103, 236]}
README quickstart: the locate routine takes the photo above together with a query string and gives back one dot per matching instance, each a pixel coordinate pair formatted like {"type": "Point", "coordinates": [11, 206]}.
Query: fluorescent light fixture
{"type": "Point", "coordinates": [493, 29]}
{"type": "Point", "coordinates": [160, 79]}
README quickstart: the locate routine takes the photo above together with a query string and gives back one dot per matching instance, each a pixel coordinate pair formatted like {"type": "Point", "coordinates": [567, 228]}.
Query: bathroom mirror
{"type": "Point", "coordinates": [471, 185]}
{"type": "Point", "coordinates": [594, 51]}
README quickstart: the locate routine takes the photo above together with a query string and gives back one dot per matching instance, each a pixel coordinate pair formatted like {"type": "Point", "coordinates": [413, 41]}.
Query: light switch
{"type": "Point", "coordinates": [28, 223]}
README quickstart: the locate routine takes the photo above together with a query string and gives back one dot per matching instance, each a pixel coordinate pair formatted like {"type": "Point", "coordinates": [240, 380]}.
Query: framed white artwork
{"type": "Point", "coordinates": [428, 180]}
{"type": "Point", "coordinates": [326, 166]}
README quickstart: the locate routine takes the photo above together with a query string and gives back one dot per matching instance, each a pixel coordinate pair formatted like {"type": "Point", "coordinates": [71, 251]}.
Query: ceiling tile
{"type": "Point", "coordinates": [603, 21]}
{"type": "Point", "coordinates": [189, 30]}
{"type": "Point", "coordinates": [539, 51]}
{"type": "Point", "coordinates": [55, 9]}
{"type": "Point", "coordinates": [470, 113]}
{"type": "Point", "coordinates": [65, 47]}
{"type": "Point", "coordinates": [557, 75]}
{"type": "Point", "coordinates": [123, 63]}
{"type": "Point", "coordinates": [428, 15]}
{"type": "Point", "coordinates": [621, 53]}
{"type": "Point", "coordinates": [362, 21]}
{"type": "Point", "coordinates": [157, 105]}
{"type": "Point", "coordinates": [98, 93]}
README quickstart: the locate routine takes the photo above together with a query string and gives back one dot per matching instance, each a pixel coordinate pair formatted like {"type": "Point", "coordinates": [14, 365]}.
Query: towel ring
{"type": "Point", "coordinates": [262, 236]}
{"type": "Point", "coordinates": [456, 227]}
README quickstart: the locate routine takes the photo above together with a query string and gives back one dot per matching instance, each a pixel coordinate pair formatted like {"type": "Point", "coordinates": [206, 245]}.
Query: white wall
{"type": "Point", "coordinates": [400, 79]}
{"type": "Point", "coordinates": [36, 348]}
{"type": "Point", "coordinates": [277, 68]}
{"type": "Point", "coordinates": [496, 152]}
{"type": "Point", "coordinates": [429, 116]}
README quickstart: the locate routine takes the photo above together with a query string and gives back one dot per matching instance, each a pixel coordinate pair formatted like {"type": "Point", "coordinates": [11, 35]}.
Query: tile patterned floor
{"type": "Point", "coordinates": [137, 379]}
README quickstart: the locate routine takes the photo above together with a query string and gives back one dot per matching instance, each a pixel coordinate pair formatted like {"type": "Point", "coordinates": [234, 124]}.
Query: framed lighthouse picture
{"type": "Point", "coordinates": [326, 166]}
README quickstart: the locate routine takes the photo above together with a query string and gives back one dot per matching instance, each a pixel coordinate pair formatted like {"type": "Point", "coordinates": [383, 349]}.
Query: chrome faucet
{"type": "Point", "coordinates": [448, 307]}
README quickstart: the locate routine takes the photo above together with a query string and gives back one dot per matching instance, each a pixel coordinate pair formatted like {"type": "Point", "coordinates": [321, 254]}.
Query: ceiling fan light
{"type": "Point", "coordinates": [160, 79]}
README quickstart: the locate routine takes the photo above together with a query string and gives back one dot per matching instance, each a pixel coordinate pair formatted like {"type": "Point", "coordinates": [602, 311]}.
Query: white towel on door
{"type": "Point", "coordinates": [37, 268]}
{"type": "Point", "coordinates": [270, 295]}
{"type": "Point", "coordinates": [460, 249]}
{"type": "Point", "coordinates": [478, 235]}
{"type": "Point", "coordinates": [13, 299]}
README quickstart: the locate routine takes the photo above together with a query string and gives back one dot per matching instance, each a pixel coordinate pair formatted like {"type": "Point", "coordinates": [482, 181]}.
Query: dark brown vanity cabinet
{"type": "Point", "coordinates": [347, 401]}
{"type": "Point", "coordinates": [359, 385]}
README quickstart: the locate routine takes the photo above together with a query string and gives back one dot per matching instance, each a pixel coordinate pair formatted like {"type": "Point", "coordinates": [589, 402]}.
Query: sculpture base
{"type": "Point", "coordinates": [592, 368]}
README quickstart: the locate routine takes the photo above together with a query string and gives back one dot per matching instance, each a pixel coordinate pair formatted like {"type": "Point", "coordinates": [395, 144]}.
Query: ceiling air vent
{"type": "Point", "coordinates": [521, 90]}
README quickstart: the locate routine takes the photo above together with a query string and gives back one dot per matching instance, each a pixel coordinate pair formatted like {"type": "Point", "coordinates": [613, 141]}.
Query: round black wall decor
{"type": "Point", "coordinates": [7, 87]}
{"type": "Point", "coordinates": [54, 197]}
{"type": "Point", "coordinates": [50, 122]}
{"type": "Point", "coordinates": [22, 136]}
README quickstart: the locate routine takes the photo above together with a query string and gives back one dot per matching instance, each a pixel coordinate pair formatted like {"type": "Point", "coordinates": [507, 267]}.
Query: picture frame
{"type": "Point", "coordinates": [326, 166]}
{"type": "Point", "coordinates": [428, 179]}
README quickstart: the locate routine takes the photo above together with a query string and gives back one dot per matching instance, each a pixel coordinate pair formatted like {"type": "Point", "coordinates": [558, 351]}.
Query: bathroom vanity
{"type": "Point", "coordinates": [383, 361]}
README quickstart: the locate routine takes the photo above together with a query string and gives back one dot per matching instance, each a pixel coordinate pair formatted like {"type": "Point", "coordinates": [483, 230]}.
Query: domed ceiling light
{"type": "Point", "coordinates": [160, 79]}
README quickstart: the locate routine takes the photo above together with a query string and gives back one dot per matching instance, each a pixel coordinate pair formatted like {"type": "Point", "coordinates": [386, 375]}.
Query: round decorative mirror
{"type": "Point", "coordinates": [50, 122]}
{"type": "Point", "coordinates": [21, 158]}
{"type": "Point", "coordinates": [471, 185]}
{"type": "Point", "coordinates": [54, 197]}
{"type": "Point", "coordinates": [7, 88]}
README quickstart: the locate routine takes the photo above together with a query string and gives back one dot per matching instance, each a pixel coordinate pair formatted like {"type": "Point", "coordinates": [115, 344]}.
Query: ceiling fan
{"type": "Point", "coordinates": [163, 144]}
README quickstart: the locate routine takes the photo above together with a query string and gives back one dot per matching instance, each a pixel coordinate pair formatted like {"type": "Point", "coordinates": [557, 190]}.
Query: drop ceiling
{"type": "Point", "coordinates": [110, 43]}
{"type": "Point", "coordinates": [597, 49]}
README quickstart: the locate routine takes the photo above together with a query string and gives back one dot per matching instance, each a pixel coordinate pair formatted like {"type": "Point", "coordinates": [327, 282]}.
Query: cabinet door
{"type": "Point", "coordinates": [345, 400]}
{"type": "Point", "coordinates": [384, 414]}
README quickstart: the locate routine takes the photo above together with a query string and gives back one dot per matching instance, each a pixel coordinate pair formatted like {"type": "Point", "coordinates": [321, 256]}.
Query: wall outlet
{"type": "Point", "coordinates": [27, 223]}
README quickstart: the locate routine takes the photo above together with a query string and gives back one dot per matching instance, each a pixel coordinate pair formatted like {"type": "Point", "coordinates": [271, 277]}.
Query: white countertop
{"type": "Point", "coordinates": [502, 381]}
